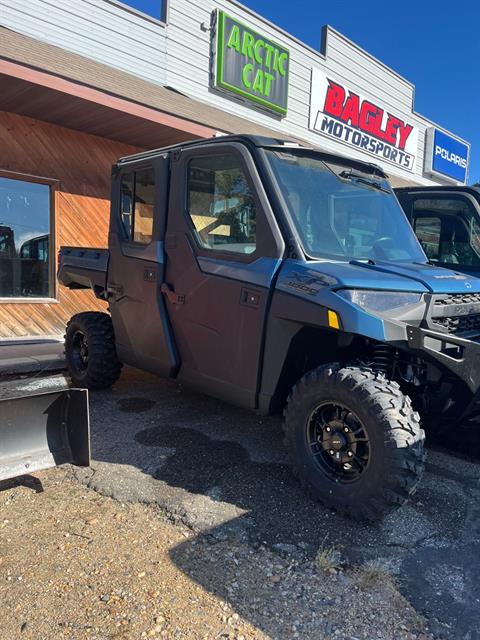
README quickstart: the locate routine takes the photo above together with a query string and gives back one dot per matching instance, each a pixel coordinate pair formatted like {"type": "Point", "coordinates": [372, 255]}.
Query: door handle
{"type": "Point", "coordinates": [250, 298]}
{"type": "Point", "coordinates": [172, 297]}
{"type": "Point", "coordinates": [115, 289]}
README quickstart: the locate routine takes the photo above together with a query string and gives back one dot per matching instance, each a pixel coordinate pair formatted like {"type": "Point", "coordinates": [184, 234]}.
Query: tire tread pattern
{"type": "Point", "coordinates": [400, 424]}
{"type": "Point", "coordinates": [104, 367]}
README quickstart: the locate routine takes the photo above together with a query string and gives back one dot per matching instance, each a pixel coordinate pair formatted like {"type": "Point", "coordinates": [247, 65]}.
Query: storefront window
{"type": "Point", "coordinates": [24, 239]}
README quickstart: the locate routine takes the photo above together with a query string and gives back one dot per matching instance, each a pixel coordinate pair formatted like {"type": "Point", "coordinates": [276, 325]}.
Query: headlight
{"type": "Point", "coordinates": [380, 302]}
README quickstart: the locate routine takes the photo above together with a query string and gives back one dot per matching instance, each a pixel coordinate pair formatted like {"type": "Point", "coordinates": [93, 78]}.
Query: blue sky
{"type": "Point", "coordinates": [152, 7]}
{"type": "Point", "coordinates": [436, 48]}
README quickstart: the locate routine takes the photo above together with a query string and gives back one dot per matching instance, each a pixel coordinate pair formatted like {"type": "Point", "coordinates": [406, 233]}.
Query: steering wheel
{"type": "Point", "coordinates": [379, 247]}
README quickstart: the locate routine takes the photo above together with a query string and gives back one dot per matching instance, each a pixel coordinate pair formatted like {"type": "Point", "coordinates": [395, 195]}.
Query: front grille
{"type": "Point", "coordinates": [458, 324]}
{"type": "Point", "coordinates": [456, 314]}
{"type": "Point", "coordinates": [458, 298]}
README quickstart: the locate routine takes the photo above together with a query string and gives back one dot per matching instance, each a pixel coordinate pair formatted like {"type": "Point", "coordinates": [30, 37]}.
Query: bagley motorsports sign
{"type": "Point", "coordinates": [346, 116]}
{"type": "Point", "coordinates": [251, 65]}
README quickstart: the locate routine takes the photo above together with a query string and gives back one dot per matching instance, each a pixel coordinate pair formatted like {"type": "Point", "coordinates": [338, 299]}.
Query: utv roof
{"type": "Point", "coordinates": [259, 142]}
{"type": "Point", "coordinates": [475, 191]}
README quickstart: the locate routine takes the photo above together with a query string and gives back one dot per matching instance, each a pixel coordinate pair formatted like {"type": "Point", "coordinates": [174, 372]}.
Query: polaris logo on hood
{"type": "Point", "coordinates": [451, 276]}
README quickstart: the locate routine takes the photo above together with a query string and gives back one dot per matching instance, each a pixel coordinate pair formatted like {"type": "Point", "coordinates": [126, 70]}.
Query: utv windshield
{"type": "Point", "coordinates": [342, 213]}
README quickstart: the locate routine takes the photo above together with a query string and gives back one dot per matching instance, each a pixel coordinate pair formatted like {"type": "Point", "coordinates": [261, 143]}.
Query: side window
{"type": "Point", "coordinates": [221, 205]}
{"type": "Point", "coordinates": [475, 236]}
{"type": "Point", "coordinates": [428, 230]}
{"type": "Point", "coordinates": [137, 205]}
{"type": "Point", "coordinates": [457, 239]}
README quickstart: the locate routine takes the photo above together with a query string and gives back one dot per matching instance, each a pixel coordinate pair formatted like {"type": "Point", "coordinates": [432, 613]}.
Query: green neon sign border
{"type": "Point", "coordinates": [220, 82]}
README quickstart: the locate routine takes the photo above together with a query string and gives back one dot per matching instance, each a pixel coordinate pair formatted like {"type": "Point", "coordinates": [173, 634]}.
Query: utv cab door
{"type": "Point", "coordinates": [137, 265]}
{"type": "Point", "coordinates": [447, 224]}
{"type": "Point", "coordinates": [223, 249]}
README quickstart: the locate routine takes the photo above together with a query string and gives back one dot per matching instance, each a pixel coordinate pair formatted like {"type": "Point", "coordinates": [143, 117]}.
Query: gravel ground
{"type": "Point", "coordinates": [75, 564]}
{"type": "Point", "coordinates": [206, 491]}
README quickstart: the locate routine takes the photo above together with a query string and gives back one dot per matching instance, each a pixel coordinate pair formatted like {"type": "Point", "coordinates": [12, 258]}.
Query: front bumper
{"type": "Point", "coordinates": [460, 356]}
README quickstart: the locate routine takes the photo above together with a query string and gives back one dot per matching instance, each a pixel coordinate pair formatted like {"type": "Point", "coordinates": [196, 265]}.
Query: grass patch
{"type": "Point", "coordinates": [328, 560]}
{"type": "Point", "coordinates": [374, 573]}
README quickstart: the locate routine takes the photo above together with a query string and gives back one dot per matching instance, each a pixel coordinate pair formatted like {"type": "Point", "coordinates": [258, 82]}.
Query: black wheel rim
{"type": "Point", "coordinates": [80, 351]}
{"type": "Point", "coordinates": [338, 443]}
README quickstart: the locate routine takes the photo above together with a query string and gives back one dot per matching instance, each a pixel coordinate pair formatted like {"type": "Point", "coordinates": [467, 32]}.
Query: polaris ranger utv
{"type": "Point", "coordinates": [278, 277]}
{"type": "Point", "coordinates": [447, 223]}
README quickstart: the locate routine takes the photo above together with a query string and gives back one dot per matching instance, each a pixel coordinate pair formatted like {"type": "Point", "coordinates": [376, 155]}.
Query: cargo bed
{"type": "Point", "coordinates": [84, 268]}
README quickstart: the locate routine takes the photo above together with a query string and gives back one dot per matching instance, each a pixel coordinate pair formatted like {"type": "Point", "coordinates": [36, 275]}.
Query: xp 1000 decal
{"type": "Point", "coordinates": [342, 114]}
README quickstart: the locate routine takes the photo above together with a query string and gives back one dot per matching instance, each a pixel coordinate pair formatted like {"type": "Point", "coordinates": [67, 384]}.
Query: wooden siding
{"type": "Point", "coordinates": [82, 164]}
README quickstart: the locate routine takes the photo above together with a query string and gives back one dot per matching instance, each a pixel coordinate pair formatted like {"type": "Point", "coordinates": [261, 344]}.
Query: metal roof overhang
{"type": "Point", "coordinates": [46, 97]}
{"type": "Point", "coordinates": [46, 82]}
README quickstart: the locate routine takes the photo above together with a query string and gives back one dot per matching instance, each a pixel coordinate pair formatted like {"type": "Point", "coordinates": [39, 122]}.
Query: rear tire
{"type": "Point", "coordinates": [90, 352]}
{"type": "Point", "coordinates": [355, 442]}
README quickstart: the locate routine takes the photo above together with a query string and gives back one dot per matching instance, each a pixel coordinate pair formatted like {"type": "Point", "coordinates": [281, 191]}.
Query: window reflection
{"type": "Point", "coordinates": [221, 204]}
{"type": "Point", "coordinates": [24, 239]}
{"type": "Point", "coordinates": [137, 205]}
{"type": "Point", "coordinates": [448, 230]}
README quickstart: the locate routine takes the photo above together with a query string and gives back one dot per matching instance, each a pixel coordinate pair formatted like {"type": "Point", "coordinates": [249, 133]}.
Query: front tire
{"type": "Point", "coordinates": [90, 352]}
{"type": "Point", "coordinates": [356, 443]}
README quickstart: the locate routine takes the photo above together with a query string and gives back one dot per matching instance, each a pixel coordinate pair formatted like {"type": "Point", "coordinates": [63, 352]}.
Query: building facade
{"type": "Point", "coordinates": [88, 81]}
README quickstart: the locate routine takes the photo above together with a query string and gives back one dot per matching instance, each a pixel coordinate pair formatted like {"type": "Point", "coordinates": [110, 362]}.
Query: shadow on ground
{"type": "Point", "coordinates": [224, 472]}
{"type": "Point", "coordinates": [30, 482]}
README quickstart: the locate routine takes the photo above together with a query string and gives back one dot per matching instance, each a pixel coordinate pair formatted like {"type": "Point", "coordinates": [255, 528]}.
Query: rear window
{"type": "Point", "coordinates": [137, 205]}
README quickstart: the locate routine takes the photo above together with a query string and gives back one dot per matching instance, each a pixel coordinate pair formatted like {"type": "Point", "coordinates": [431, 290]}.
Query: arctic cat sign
{"type": "Point", "coordinates": [251, 65]}
{"type": "Point", "coordinates": [342, 114]}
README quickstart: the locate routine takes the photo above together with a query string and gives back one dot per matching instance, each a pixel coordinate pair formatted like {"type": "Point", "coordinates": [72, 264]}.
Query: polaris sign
{"type": "Point", "coordinates": [446, 156]}
{"type": "Point", "coordinates": [344, 115]}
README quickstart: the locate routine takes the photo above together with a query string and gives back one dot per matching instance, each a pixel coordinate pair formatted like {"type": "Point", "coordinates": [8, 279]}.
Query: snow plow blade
{"type": "Point", "coordinates": [44, 430]}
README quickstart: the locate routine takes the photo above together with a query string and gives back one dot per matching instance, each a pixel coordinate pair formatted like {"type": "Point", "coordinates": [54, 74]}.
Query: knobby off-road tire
{"type": "Point", "coordinates": [386, 463]}
{"type": "Point", "coordinates": [90, 351]}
